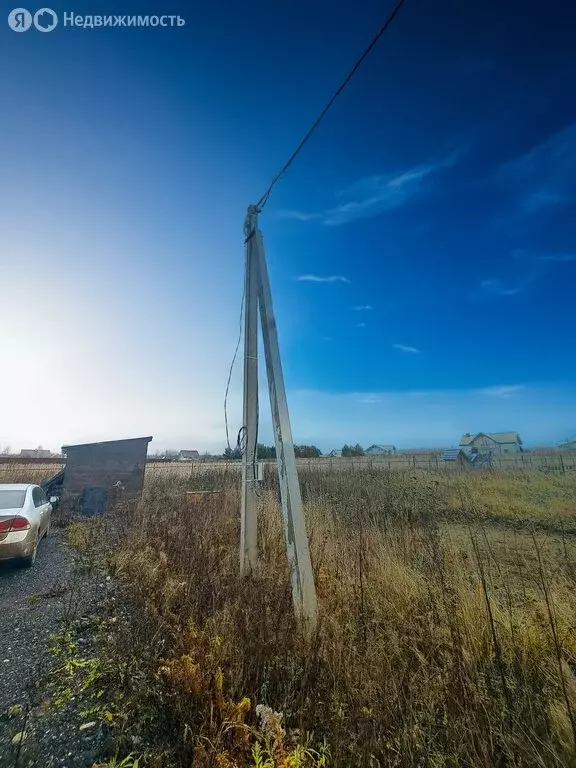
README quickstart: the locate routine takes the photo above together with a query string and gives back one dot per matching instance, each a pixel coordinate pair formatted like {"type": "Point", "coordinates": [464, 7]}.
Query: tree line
{"type": "Point", "coordinates": [302, 451]}
{"type": "Point", "coordinates": [352, 450]}
{"type": "Point", "coordinates": [269, 452]}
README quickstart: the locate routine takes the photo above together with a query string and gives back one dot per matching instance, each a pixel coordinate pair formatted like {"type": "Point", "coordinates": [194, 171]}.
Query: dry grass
{"type": "Point", "coordinates": [447, 633]}
{"type": "Point", "coordinates": [446, 638]}
{"type": "Point", "coordinates": [22, 472]}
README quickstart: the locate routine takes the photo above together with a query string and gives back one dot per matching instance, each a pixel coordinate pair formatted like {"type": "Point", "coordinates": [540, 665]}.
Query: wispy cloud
{"type": "Point", "coordinates": [545, 176]}
{"type": "Point", "coordinates": [320, 279]}
{"type": "Point", "coordinates": [495, 287]}
{"type": "Point", "coordinates": [535, 266]}
{"type": "Point", "coordinates": [370, 399]}
{"type": "Point", "coordinates": [372, 195]}
{"type": "Point", "coordinates": [543, 198]}
{"type": "Point", "coordinates": [375, 398]}
{"type": "Point", "coordinates": [404, 348]}
{"type": "Point", "coordinates": [504, 390]}
{"type": "Point", "coordinates": [360, 325]}
{"type": "Point", "coordinates": [363, 308]}
{"type": "Point", "coordinates": [290, 213]}
{"type": "Point", "coordinates": [560, 257]}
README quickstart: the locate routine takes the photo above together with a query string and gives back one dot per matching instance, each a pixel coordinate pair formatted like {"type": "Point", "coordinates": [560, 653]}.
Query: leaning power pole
{"type": "Point", "coordinates": [258, 295]}
{"type": "Point", "coordinates": [249, 507]}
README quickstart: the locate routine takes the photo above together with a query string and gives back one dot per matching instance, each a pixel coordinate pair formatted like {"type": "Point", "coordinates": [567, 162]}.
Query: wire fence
{"type": "Point", "coordinates": [36, 471]}
{"type": "Point", "coordinates": [554, 461]}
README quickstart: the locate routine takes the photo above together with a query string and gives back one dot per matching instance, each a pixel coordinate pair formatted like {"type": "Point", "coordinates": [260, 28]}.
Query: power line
{"type": "Point", "coordinates": [264, 199]}
{"type": "Point", "coordinates": [232, 368]}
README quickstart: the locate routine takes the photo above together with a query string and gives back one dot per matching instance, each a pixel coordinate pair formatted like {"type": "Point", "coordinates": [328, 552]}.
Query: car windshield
{"type": "Point", "coordinates": [12, 499]}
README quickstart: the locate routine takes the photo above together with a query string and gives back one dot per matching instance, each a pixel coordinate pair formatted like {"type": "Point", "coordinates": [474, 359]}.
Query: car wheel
{"type": "Point", "coordinates": [29, 561]}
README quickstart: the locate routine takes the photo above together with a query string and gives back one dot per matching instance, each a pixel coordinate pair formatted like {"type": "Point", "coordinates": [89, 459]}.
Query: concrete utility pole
{"type": "Point", "coordinates": [297, 550]}
{"type": "Point", "coordinates": [248, 518]}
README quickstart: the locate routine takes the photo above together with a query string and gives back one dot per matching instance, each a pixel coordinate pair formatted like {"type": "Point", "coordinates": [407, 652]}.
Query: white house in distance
{"type": "Point", "coordinates": [35, 453]}
{"type": "Point", "coordinates": [380, 450]}
{"type": "Point", "coordinates": [491, 442]}
{"type": "Point", "coordinates": [188, 456]}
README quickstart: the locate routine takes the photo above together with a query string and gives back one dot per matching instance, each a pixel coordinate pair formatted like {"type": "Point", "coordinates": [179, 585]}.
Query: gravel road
{"type": "Point", "coordinates": [33, 603]}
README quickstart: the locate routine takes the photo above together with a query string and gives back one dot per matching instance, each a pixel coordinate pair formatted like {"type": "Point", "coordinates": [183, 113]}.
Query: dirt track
{"type": "Point", "coordinates": [34, 603]}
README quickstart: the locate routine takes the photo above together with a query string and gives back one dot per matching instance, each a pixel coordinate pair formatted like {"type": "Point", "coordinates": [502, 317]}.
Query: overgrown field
{"type": "Point", "coordinates": [447, 624]}
{"type": "Point", "coordinates": [552, 460]}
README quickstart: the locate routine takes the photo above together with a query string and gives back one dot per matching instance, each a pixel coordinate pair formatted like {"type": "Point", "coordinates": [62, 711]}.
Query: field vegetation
{"type": "Point", "coordinates": [446, 638]}
{"type": "Point", "coordinates": [447, 632]}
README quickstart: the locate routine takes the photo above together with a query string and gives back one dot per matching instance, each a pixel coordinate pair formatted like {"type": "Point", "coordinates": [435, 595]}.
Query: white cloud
{"type": "Point", "coordinates": [543, 198]}
{"type": "Point", "coordinates": [363, 308]}
{"type": "Point", "coordinates": [291, 213]}
{"type": "Point", "coordinates": [559, 257]}
{"type": "Point", "coordinates": [404, 348]}
{"type": "Point", "coordinates": [545, 176]}
{"type": "Point", "coordinates": [360, 325]}
{"type": "Point", "coordinates": [372, 195]}
{"type": "Point", "coordinates": [494, 287]}
{"type": "Point", "coordinates": [319, 279]}
{"type": "Point", "coordinates": [504, 390]}
{"type": "Point", "coordinates": [371, 398]}
{"type": "Point", "coordinates": [535, 265]}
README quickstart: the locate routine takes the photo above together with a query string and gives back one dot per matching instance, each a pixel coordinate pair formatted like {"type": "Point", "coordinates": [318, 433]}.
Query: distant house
{"type": "Point", "coordinates": [380, 450]}
{"type": "Point", "coordinates": [188, 456]}
{"type": "Point", "coordinates": [456, 456]}
{"type": "Point", "coordinates": [491, 442]}
{"type": "Point", "coordinates": [35, 453]}
{"type": "Point", "coordinates": [569, 446]}
{"type": "Point", "coordinates": [336, 452]}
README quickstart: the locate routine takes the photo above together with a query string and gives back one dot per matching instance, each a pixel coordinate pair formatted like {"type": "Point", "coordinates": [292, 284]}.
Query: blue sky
{"type": "Point", "coordinates": [422, 247]}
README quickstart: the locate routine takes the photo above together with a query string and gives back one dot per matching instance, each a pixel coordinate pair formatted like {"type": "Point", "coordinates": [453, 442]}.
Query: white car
{"type": "Point", "coordinates": [24, 520]}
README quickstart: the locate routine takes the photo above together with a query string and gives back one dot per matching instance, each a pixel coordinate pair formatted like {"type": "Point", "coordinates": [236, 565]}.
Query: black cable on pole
{"type": "Point", "coordinates": [232, 366]}
{"type": "Point", "coordinates": [264, 199]}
